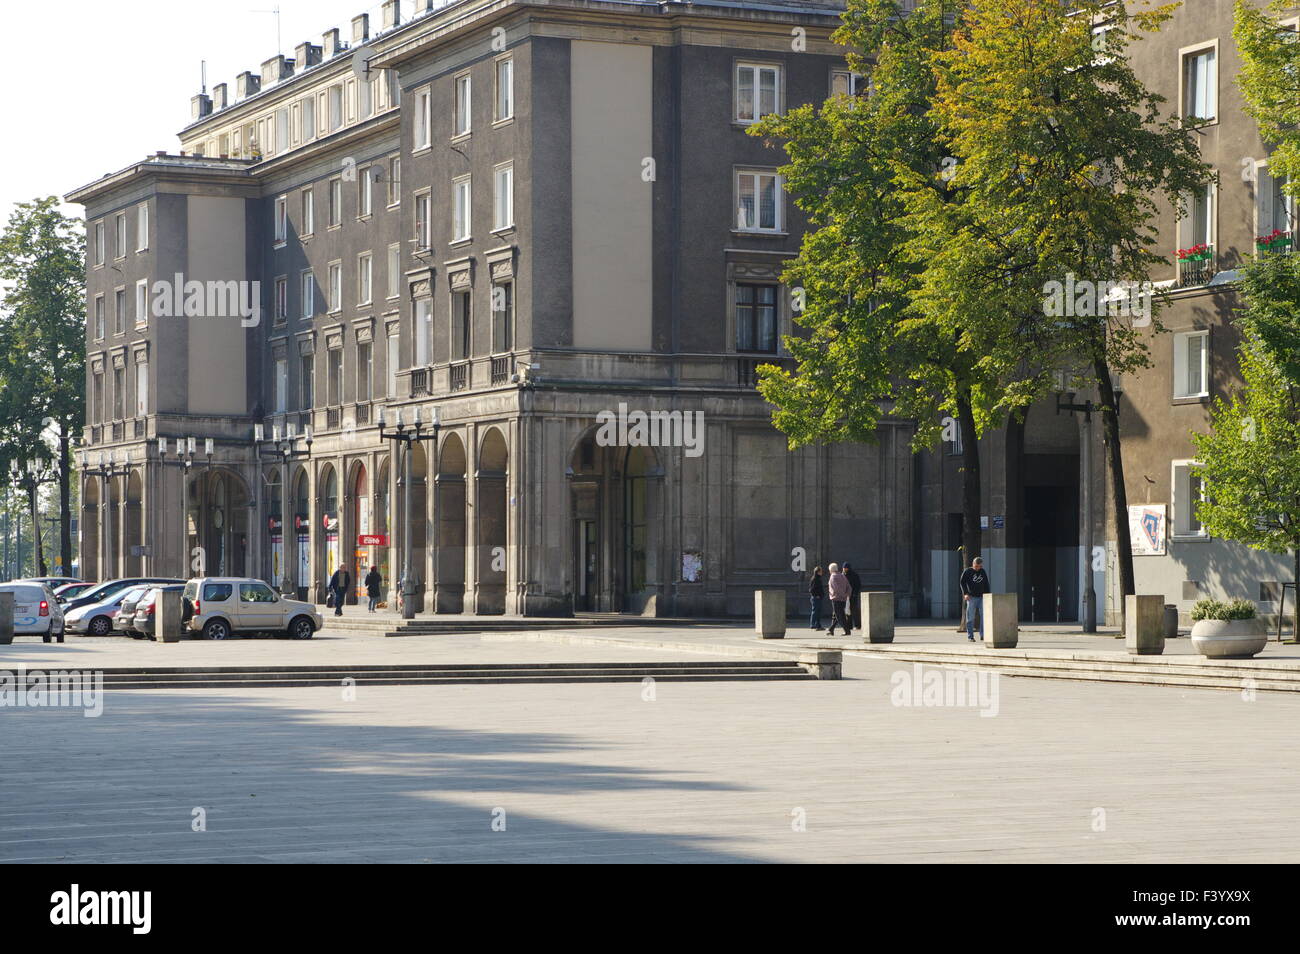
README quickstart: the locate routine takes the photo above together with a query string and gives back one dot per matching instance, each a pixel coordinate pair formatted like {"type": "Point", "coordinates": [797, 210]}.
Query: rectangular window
{"type": "Point", "coordinates": [423, 235]}
{"type": "Point", "coordinates": [423, 330]}
{"type": "Point", "coordinates": [394, 270]}
{"type": "Point", "coordinates": [119, 311]}
{"type": "Point", "coordinates": [99, 243]}
{"type": "Point", "coordinates": [281, 299]}
{"type": "Point", "coordinates": [335, 107]}
{"type": "Point", "coordinates": [505, 98]}
{"type": "Point", "coordinates": [503, 317]}
{"type": "Point", "coordinates": [334, 378]}
{"type": "Point", "coordinates": [281, 385]}
{"type": "Point", "coordinates": [142, 302]}
{"type": "Point", "coordinates": [1188, 495]}
{"type": "Point", "coordinates": [758, 91]}
{"type": "Point", "coordinates": [119, 386]}
{"type": "Point", "coordinates": [99, 317]}
{"type": "Point", "coordinates": [460, 325]}
{"type": "Point", "coordinates": [281, 219]}
{"type": "Point", "coordinates": [394, 181]}
{"type": "Point", "coordinates": [119, 248]}
{"type": "Point", "coordinates": [756, 318]}
{"type": "Point", "coordinates": [97, 396]}
{"type": "Point", "coordinates": [308, 369]}
{"type": "Point", "coordinates": [423, 119]}
{"type": "Point", "coordinates": [503, 204]}
{"type": "Point", "coordinates": [461, 108]}
{"type": "Point", "coordinates": [1200, 85]}
{"type": "Point", "coordinates": [282, 129]}
{"type": "Point", "coordinates": [1191, 364]}
{"type": "Point", "coordinates": [363, 371]}
{"type": "Point", "coordinates": [336, 286]}
{"type": "Point", "coordinates": [460, 209]}
{"type": "Point", "coordinates": [847, 83]}
{"type": "Point", "coordinates": [142, 227]}
{"type": "Point", "coordinates": [308, 294]}
{"type": "Point", "coordinates": [364, 274]}
{"type": "Point", "coordinates": [1275, 213]}
{"type": "Point", "coordinates": [308, 212]}
{"type": "Point", "coordinates": [336, 201]}
{"type": "Point", "coordinates": [309, 118]}
{"type": "Point", "coordinates": [759, 201]}
{"type": "Point", "coordinates": [350, 98]}
{"type": "Point", "coordinates": [141, 389]}
{"type": "Point", "coordinates": [363, 191]}
{"type": "Point", "coordinates": [393, 357]}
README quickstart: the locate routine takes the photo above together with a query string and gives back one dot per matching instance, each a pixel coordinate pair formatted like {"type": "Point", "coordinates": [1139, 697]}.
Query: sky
{"type": "Point", "coordinates": [91, 86]}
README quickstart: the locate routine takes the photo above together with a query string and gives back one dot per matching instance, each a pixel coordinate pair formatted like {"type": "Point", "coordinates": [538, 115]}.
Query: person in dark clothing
{"type": "Point", "coordinates": [816, 596]}
{"type": "Point", "coordinates": [855, 605]}
{"type": "Point", "coordinates": [974, 584]}
{"type": "Point", "coordinates": [340, 583]}
{"type": "Point", "coordinates": [374, 586]}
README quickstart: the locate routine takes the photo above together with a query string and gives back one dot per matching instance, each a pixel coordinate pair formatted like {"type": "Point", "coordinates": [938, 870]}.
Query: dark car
{"type": "Point", "coordinates": [70, 591]}
{"type": "Point", "coordinates": [97, 594]}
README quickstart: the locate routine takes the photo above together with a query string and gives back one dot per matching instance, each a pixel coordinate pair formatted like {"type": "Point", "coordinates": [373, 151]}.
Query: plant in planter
{"type": "Point", "coordinates": [1227, 629]}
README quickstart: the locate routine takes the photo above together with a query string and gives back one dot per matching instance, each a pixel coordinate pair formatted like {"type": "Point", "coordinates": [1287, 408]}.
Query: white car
{"type": "Point", "coordinates": [35, 610]}
{"type": "Point", "coordinates": [96, 619]}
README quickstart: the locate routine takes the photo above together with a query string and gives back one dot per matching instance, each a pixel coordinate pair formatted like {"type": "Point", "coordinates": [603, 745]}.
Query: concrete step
{"type": "Point", "coordinates": [364, 625]}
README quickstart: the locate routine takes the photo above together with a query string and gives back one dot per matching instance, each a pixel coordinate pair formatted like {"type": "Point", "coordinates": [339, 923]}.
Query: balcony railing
{"type": "Point", "coordinates": [420, 382]}
{"type": "Point", "coordinates": [1195, 266]}
{"type": "Point", "coordinates": [363, 415]}
{"type": "Point", "coordinates": [459, 377]}
{"type": "Point", "coordinates": [1276, 242]}
{"type": "Point", "coordinates": [747, 370]}
{"type": "Point", "coordinates": [501, 369]}
{"type": "Point", "coordinates": [137, 429]}
{"type": "Point", "coordinates": [119, 430]}
{"type": "Point", "coordinates": [333, 418]}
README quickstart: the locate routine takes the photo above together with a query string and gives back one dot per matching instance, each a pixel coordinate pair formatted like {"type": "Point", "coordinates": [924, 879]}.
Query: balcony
{"type": "Point", "coordinates": [119, 430]}
{"type": "Point", "coordinates": [363, 415]}
{"type": "Point", "coordinates": [501, 369]}
{"type": "Point", "coordinates": [333, 418]}
{"type": "Point", "coordinates": [747, 370]}
{"type": "Point", "coordinates": [138, 428]}
{"type": "Point", "coordinates": [420, 382]}
{"type": "Point", "coordinates": [1195, 265]}
{"type": "Point", "coordinates": [459, 376]}
{"type": "Point", "coordinates": [1276, 242]}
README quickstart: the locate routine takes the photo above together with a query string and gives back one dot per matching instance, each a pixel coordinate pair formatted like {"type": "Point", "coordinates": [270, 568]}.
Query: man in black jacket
{"type": "Point", "coordinates": [974, 584]}
{"type": "Point", "coordinates": [339, 585]}
{"type": "Point", "coordinates": [855, 605]}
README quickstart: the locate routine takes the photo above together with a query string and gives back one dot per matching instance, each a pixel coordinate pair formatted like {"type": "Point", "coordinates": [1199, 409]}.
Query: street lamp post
{"type": "Point", "coordinates": [1089, 592]}
{"type": "Point", "coordinates": [408, 435]}
{"type": "Point", "coordinates": [185, 460]}
{"type": "Point", "coordinates": [28, 477]}
{"type": "Point", "coordinates": [283, 442]}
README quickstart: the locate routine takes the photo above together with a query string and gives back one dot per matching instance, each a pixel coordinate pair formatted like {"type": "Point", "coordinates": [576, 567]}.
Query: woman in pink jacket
{"type": "Point", "coordinates": [838, 588]}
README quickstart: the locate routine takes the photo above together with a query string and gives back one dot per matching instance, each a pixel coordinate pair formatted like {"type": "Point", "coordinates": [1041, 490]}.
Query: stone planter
{"type": "Point", "coordinates": [769, 613]}
{"type": "Point", "coordinates": [1229, 638]}
{"type": "Point", "coordinates": [878, 614]}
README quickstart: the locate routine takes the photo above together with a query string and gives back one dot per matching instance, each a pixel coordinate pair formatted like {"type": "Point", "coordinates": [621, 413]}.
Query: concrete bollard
{"type": "Point", "coordinates": [1144, 625]}
{"type": "Point", "coordinates": [167, 617]}
{"type": "Point", "coordinates": [6, 618]}
{"type": "Point", "coordinates": [1001, 620]}
{"type": "Point", "coordinates": [769, 613]}
{"type": "Point", "coordinates": [878, 615]}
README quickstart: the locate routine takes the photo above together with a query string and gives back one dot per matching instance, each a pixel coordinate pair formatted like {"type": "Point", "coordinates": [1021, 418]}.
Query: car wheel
{"type": "Point", "coordinates": [100, 626]}
{"type": "Point", "coordinates": [216, 629]}
{"type": "Point", "coordinates": [301, 628]}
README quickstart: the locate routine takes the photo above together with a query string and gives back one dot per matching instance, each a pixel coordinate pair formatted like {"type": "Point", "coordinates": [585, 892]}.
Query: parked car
{"type": "Point", "coordinates": [53, 582]}
{"type": "Point", "coordinates": [126, 611]}
{"type": "Point", "coordinates": [69, 591]}
{"type": "Point", "coordinates": [146, 610]}
{"type": "Point", "coordinates": [102, 591]}
{"type": "Point", "coordinates": [219, 606]}
{"type": "Point", "coordinates": [35, 610]}
{"type": "Point", "coordinates": [96, 619]}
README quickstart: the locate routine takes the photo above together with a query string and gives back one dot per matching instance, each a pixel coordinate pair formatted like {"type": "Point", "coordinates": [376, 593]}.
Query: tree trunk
{"type": "Point", "coordinates": [970, 481]}
{"type": "Point", "coordinates": [1295, 606]}
{"type": "Point", "coordinates": [65, 500]}
{"type": "Point", "coordinates": [1119, 493]}
{"type": "Point", "coordinates": [33, 502]}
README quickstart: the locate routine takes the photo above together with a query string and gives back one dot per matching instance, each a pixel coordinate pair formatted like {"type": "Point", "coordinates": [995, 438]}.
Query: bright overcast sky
{"type": "Point", "coordinates": [91, 86]}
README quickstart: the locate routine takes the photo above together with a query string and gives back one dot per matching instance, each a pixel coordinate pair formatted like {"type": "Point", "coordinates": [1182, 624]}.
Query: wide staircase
{"type": "Point", "coordinates": [357, 622]}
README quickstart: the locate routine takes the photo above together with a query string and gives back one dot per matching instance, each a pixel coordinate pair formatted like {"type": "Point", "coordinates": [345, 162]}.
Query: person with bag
{"type": "Point", "coordinates": [339, 585]}
{"type": "Point", "coordinates": [839, 593]}
{"type": "Point", "coordinates": [374, 586]}
{"type": "Point", "coordinates": [816, 595]}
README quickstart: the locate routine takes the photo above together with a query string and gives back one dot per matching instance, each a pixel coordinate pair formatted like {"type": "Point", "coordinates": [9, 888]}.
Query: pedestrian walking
{"type": "Point", "coordinates": [974, 584]}
{"type": "Point", "coordinates": [838, 587]}
{"type": "Point", "coordinates": [816, 595]}
{"type": "Point", "coordinates": [340, 583]}
{"type": "Point", "coordinates": [855, 602]}
{"type": "Point", "coordinates": [374, 586]}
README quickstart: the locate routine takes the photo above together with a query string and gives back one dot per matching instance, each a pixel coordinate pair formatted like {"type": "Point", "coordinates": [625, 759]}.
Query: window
{"type": "Point", "coordinates": [255, 593]}
{"type": "Point", "coordinates": [142, 227]}
{"type": "Point", "coordinates": [119, 311]}
{"type": "Point", "coordinates": [363, 371]}
{"type": "Point", "coordinates": [281, 299]}
{"type": "Point", "coordinates": [141, 389]}
{"type": "Point", "coordinates": [1188, 493]}
{"type": "Point", "coordinates": [142, 302]}
{"type": "Point", "coordinates": [423, 329]}
{"type": "Point", "coordinates": [119, 387]}
{"type": "Point", "coordinates": [281, 220]}
{"type": "Point", "coordinates": [308, 212]}
{"type": "Point", "coordinates": [308, 394]}
{"type": "Point", "coordinates": [756, 318]}
{"type": "Point", "coordinates": [505, 97]}
{"type": "Point", "coordinates": [503, 204]}
{"type": "Point", "coordinates": [335, 107]}
{"type": "Point", "coordinates": [217, 592]}
{"type": "Point", "coordinates": [336, 286]}
{"type": "Point", "coordinates": [99, 317]}
{"type": "Point", "coordinates": [1191, 364]}
{"type": "Point", "coordinates": [423, 235]}
{"type": "Point", "coordinates": [308, 294]}
{"type": "Point", "coordinates": [1196, 229]}
{"type": "Point", "coordinates": [281, 385]}
{"type": "Point", "coordinates": [758, 91]}
{"type": "Point", "coordinates": [460, 325]}
{"type": "Point", "coordinates": [97, 396]}
{"type": "Point", "coordinates": [363, 191]}
{"type": "Point", "coordinates": [1275, 212]}
{"type": "Point", "coordinates": [503, 317]}
{"type": "Point", "coordinates": [394, 181]}
{"type": "Point", "coordinates": [282, 129]}
{"type": "Point", "coordinates": [119, 249]}
{"type": "Point", "coordinates": [309, 118]}
{"type": "Point", "coordinates": [334, 377]}
{"type": "Point", "coordinates": [460, 209]}
{"type": "Point", "coordinates": [364, 261]}
{"type": "Point", "coordinates": [847, 83]}
{"type": "Point", "coordinates": [393, 357]}
{"type": "Point", "coordinates": [461, 109]}
{"type": "Point", "coordinates": [1200, 84]}
{"type": "Point", "coordinates": [336, 201]}
{"type": "Point", "coordinates": [99, 243]}
{"type": "Point", "coordinates": [423, 117]}
{"type": "Point", "coordinates": [350, 98]}
{"type": "Point", "coordinates": [394, 270]}
{"type": "Point", "coordinates": [759, 201]}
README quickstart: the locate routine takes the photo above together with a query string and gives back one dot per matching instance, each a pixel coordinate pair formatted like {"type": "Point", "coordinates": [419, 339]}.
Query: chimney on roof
{"type": "Point", "coordinates": [305, 55]}
{"type": "Point", "coordinates": [332, 43]}
{"type": "Point", "coordinates": [360, 29]}
{"type": "Point", "coordinates": [277, 68]}
{"type": "Point", "coordinates": [246, 84]}
{"type": "Point", "coordinates": [392, 13]}
{"type": "Point", "coordinates": [200, 106]}
{"type": "Point", "coordinates": [219, 97]}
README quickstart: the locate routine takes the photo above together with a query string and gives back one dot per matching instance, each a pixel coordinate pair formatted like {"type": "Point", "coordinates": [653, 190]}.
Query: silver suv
{"type": "Point", "coordinates": [219, 606]}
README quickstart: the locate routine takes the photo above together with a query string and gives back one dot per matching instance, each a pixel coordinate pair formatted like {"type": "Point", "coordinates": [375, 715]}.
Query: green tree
{"type": "Point", "coordinates": [1270, 80]}
{"type": "Point", "coordinates": [42, 344]}
{"type": "Point", "coordinates": [1249, 462]}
